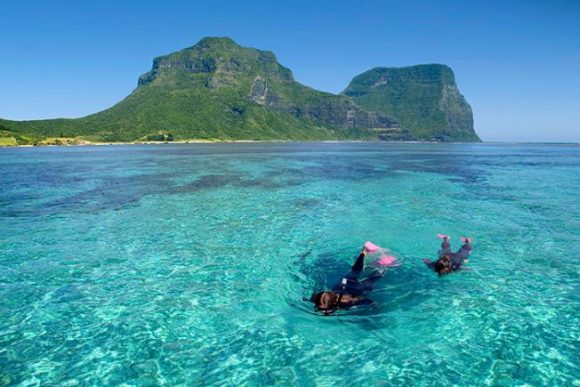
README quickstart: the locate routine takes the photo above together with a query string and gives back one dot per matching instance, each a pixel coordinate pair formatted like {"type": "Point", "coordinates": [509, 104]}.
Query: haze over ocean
{"type": "Point", "coordinates": [516, 62]}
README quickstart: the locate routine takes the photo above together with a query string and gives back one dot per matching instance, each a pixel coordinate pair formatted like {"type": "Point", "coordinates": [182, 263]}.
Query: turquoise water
{"type": "Point", "coordinates": [193, 263]}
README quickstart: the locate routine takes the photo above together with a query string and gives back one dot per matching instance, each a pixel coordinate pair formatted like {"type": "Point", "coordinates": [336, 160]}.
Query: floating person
{"type": "Point", "coordinates": [350, 291]}
{"type": "Point", "coordinates": [449, 261]}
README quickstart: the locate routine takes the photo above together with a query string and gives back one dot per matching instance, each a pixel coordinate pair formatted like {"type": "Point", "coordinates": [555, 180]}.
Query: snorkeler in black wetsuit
{"type": "Point", "coordinates": [350, 291]}
{"type": "Point", "coordinates": [449, 261]}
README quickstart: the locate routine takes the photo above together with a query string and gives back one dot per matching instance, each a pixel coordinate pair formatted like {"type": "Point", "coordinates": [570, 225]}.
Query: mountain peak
{"type": "Point", "coordinates": [382, 76]}
{"type": "Point", "coordinates": [216, 41]}
{"type": "Point", "coordinates": [219, 57]}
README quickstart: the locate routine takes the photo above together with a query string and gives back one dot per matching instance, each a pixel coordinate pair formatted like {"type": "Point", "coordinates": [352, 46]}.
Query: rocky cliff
{"type": "Point", "coordinates": [218, 89]}
{"type": "Point", "coordinates": [425, 99]}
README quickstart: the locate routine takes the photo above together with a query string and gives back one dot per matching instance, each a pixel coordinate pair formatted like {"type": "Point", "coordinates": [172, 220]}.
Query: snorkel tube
{"type": "Point", "coordinates": [341, 293]}
{"type": "Point", "coordinates": [330, 311]}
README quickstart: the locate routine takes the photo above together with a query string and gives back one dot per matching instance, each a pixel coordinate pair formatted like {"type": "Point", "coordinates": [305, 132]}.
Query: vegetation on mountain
{"type": "Point", "coordinates": [423, 98]}
{"type": "Point", "coordinates": [219, 90]}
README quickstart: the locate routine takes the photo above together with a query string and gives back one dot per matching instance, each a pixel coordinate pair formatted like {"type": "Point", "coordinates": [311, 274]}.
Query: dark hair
{"type": "Point", "coordinates": [443, 265]}
{"type": "Point", "coordinates": [325, 300]}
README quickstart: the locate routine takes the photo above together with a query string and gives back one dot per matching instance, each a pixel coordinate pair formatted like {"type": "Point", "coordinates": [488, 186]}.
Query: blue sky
{"type": "Point", "coordinates": [516, 62]}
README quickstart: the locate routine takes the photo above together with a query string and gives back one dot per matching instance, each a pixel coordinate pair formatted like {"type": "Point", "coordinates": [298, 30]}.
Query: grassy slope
{"type": "Point", "coordinates": [187, 112]}
{"type": "Point", "coordinates": [8, 141]}
{"type": "Point", "coordinates": [9, 137]}
{"type": "Point", "coordinates": [212, 103]}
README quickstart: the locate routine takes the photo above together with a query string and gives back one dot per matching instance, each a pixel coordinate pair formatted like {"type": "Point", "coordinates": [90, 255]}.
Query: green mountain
{"type": "Point", "coordinates": [219, 90]}
{"type": "Point", "coordinates": [424, 99]}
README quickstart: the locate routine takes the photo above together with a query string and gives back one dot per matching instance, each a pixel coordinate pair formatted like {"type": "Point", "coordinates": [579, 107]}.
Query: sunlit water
{"type": "Point", "coordinates": [194, 264]}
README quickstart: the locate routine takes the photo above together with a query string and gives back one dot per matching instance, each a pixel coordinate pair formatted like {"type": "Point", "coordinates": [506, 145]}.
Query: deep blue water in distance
{"type": "Point", "coordinates": [193, 263]}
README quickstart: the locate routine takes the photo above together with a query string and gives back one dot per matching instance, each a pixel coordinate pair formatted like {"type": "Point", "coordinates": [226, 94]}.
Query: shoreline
{"type": "Point", "coordinates": [201, 141]}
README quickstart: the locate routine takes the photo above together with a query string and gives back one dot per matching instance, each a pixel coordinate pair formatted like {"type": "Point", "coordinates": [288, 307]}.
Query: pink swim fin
{"type": "Point", "coordinates": [370, 247]}
{"type": "Point", "coordinates": [443, 236]}
{"type": "Point", "coordinates": [465, 239]}
{"type": "Point", "coordinates": [388, 261]}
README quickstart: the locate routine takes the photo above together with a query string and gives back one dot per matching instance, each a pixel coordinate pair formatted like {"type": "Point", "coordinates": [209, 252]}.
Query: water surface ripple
{"type": "Point", "coordinates": [193, 263]}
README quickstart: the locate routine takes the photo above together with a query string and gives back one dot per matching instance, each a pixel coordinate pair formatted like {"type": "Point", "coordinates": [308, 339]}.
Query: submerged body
{"type": "Point", "coordinates": [350, 291]}
{"type": "Point", "coordinates": [448, 260]}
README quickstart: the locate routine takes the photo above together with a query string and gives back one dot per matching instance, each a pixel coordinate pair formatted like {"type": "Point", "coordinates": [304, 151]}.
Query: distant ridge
{"type": "Point", "coordinates": [219, 90]}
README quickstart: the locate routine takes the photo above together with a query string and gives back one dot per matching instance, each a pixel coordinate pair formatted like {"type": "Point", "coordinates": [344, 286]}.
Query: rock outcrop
{"type": "Point", "coordinates": [423, 98]}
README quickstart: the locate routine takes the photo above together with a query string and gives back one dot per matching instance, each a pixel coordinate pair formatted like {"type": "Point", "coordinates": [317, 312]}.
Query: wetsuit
{"type": "Point", "coordinates": [445, 248]}
{"type": "Point", "coordinates": [356, 288]}
{"type": "Point", "coordinates": [457, 259]}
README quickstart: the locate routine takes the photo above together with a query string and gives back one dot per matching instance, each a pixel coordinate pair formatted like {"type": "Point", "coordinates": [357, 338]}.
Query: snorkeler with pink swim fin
{"type": "Point", "coordinates": [350, 291]}
{"type": "Point", "coordinates": [449, 261]}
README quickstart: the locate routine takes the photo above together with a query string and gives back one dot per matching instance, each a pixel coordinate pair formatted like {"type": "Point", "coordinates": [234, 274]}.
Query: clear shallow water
{"type": "Point", "coordinates": [191, 263]}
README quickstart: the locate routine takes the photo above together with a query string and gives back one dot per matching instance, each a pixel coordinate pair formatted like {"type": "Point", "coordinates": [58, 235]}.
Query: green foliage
{"type": "Point", "coordinates": [204, 93]}
{"type": "Point", "coordinates": [160, 137]}
{"type": "Point", "coordinates": [9, 137]}
{"type": "Point", "coordinates": [218, 90]}
{"type": "Point", "coordinates": [424, 98]}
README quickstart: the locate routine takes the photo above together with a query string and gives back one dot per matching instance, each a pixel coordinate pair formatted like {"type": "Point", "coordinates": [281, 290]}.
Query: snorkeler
{"type": "Point", "coordinates": [350, 291]}
{"type": "Point", "coordinates": [449, 261]}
